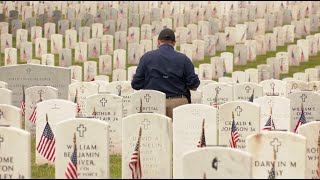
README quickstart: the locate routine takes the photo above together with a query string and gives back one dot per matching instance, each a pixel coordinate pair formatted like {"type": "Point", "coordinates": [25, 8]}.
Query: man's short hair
{"type": "Point", "coordinates": [167, 35]}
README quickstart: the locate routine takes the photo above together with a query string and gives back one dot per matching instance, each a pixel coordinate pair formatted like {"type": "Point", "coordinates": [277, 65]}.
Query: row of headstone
{"type": "Point", "coordinates": [268, 153]}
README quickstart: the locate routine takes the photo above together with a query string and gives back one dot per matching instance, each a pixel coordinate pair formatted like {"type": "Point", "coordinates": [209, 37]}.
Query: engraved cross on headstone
{"type": "Point", "coordinates": [146, 123]}
{"type": "Point", "coordinates": [275, 143]}
{"type": "Point", "coordinates": [218, 89]}
{"type": "Point", "coordinates": [40, 92]}
{"type": "Point", "coordinates": [103, 102]}
{"type": "Point", "coordinates": [28, 70]}
{"type": "Point", "coordinates": [239, 110]}
{"type": "Point", "coordinates": [294, 86]}
{"type": "Point", "coordinates": [248, 88]}
{"type": "Point", "coordinates": [315, 87]}
{"type": "Point", "coordinates": [147, 97]}
{"type": "Point", "coordinates": [81, 129]}
{"type": "Point", "coordinates": [303, 97]}
{"type": "Point", "coordinates": [1, 141]}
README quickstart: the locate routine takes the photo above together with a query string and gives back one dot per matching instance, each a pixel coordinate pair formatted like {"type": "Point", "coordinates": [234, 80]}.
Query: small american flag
{"type": "Point", "coordinates": [302, 120]}
{"type": "Point", "coordinates": [23, 102]}
{"type": "Point", "coordinates": [72, 168]}
{"type": "Point", "coordinates": [269, 125]}
{"type": "Point", "coordinates": [251, 97]}
{"type": "Point", "coordinates": [76, 101]}
{"type": "Point", "coordinates": [33, 117]}
{"type": "Point", "coordinates": [234, 134]}
{"type": "Point", "coordinates": [46, 146]}
{"type": "Point", "coordinates": [272, 172]}
{"type": "Point", "coordinates": [202, 141]}
{"type": "Point", "coordinates": [135, 164]}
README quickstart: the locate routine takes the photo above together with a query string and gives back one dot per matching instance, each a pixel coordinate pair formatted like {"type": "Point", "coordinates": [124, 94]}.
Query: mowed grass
{"type": "Point", "coordinates": [47, 171]}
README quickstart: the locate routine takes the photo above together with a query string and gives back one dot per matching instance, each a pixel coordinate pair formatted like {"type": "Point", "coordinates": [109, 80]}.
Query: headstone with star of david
{"type": "Point", "coordinates": [34, 95]}
{"type": "Point", "coordinates": [16, 157]}
{"type": "Point", "coordinates": [222, 91]}
{"type": "Point", "coordinates": [311, 132]}
{"type": "Point", "coordinates": [147, 101]}
{"type": "Point", "coordinates": [215, 163]}
{"type": "Point", "coordinates": [108, 108]}
{"type": "Point", "coordinates": [10, 116]}
{"type": "Point", "coordinates": [246, 118]}
{"type": "Point", "coordinates": [244, 91]}
{"type": "Point", "coordinates": [93, 152]}
{"type": "Point", "coordinates": [187, 127]}
{"type": "Point", "coordinates": [155, 144]}
{"type": "Point", "coordinates": [276, 107]}
{"type": "Point", "coordinates": [311, 108]}
{"type": "Point", "coordinates": [275, 147]}
{"type": "Point", "coordinates": [57, 110]}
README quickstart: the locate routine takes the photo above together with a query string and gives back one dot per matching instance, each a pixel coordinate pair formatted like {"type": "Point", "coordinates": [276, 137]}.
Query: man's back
{"type": "Point", "coordinates": [166, 70]}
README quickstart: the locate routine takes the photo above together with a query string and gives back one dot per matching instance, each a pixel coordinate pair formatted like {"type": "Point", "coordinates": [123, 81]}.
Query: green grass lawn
{"type": "Point", "coordinates": [46, 171]}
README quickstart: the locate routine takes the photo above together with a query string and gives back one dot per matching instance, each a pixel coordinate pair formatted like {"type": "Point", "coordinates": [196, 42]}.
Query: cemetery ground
{"type": "Point", "coordinates": [46, 171]}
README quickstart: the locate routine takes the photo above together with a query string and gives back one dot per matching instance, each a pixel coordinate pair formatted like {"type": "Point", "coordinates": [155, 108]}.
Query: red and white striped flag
{"type": "Point", "coordinates": [135, 164]}
{"type": "Point", "coordinates": [33, 117]}
{"type": "Point", "coordinates": [234, 134]}
{"type": "Point", "coordinates": [72, 168]}
{"type": "Point", "coordinates": [76, 101]}
{"type": "Point", "coordinates": [47, 143]}
{"type": "Point", "coordinates": [202, 141]}
{"type": "Point", "coordinates": [302, 120]}
{"type": "Point", "coordinates": [23, 102]}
